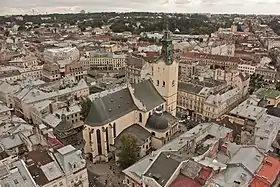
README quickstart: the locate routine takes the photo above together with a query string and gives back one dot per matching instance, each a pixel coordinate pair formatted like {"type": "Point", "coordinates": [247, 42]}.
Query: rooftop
{"type": "Point", "coordinates": [135, 171]}
{"type": "Point", "coordinates": [267, 93]}
{"type": "Point", "coordinates": [248, 111]}
{"type": "Point", "coordinates": [268, 173]}
{"type": "Point", "coordinates": [15, 175]}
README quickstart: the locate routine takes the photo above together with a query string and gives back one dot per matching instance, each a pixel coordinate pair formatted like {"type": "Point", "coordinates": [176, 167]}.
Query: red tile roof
{"type": "Point", "coordinates": [268, 173]}
{"type": "Point", "coordinates": [205, 173]}
{"type": "Point", "coordinates": [199, 181]}
{"type": "Point", "coordinates": [55, 143]}
{"type": "Point", "coordinates": [211, 57]}
{"type": "Point", "coordinates": [183, 181]}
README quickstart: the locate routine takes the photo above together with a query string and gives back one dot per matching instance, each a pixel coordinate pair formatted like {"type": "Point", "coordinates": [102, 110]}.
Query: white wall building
{"type": "Point", "coordinates": [103, 61]}
{"type": "Point", "coordinates": [246, 68]}
{"type": "Point", "coordinates": [61, 54]}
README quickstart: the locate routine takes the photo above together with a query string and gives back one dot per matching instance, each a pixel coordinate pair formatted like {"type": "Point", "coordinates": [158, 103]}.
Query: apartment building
{"type": "Point", "coordinates": [64, 167]}
{"type": "Point", "coordinates": [14, 173]}
{"type": "Point", "coordinates": [24, 62]}
{"type": "Point", "coordinates": [246, 68]}
{"type": "Point", "coordinates": [103, 61]}
{"type": "Point", "coordinates": [51, 72]}
{"type": "Point", "coordinates": [262, 127]}
{"type": "Point", "coordinates": [61, 55]}
{"type": "Point", "coordinates": [218, 104]}
{"type": "Point", "coordinates": [26, 97]}
{"type": "Point", "coordinates": [137, 69]}
{"type": "Point", "coordinates": [192, 94]}
{"type": "Point", "coordinates": [76, 70]}
{"type": "Point", "coordinates": [212, 60]}
{"type": "Point", "coordinates": [163, 166]}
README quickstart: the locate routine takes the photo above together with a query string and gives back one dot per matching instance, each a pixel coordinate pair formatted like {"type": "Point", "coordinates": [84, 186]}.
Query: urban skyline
{"type": "Point", "coordinates": [184, 6]}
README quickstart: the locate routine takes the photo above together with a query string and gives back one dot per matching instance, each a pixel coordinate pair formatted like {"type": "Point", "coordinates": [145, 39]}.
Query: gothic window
{"type": "Point", "coordinates": [140, 117]}
{"type": "Point", "coordinates": [163, 83]}
{"type": "Point", "coordinates": [107, 139]}
{"type": "Point", "coordinates": [114, 130]}
{"type": "Point", "coordinates": [99, 146]}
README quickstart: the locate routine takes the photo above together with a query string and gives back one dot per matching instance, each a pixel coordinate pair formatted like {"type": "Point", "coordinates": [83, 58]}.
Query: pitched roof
{"type": "Point", "coordinates": [163, 168]}
{"type": "Point", "coordinates": [147, 94]}
{"type": "Point", "coordinates": [110, 107]}
{"type": "Point", "coordinates": [268, 173]}
{"type": "Point", "coordinates": [137, 131]}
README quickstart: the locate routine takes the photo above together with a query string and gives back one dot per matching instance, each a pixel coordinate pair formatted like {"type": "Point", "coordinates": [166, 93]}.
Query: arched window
{"type": "Point", "coordinates": [107, 139]}
{"type": "Point", "coordinates": [140, 117]}
{"type": "Point", "coordinates": [114, 130]}
{"type": "Point", "coordinates": [98, 138]}
{"type": "Point", "coordinates": [163, 83]}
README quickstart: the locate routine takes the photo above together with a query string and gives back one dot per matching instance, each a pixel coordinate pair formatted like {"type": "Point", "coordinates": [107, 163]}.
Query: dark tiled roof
{"type": "Point", "coordinates": [163, 168]}
{"type": "Point", "coordinates": [274, 111]}
{"type": "Point", "coordinates": [157, 122]}
{"type": "Point", "coordinates": [189, 87]}
{"type": "Point", "coordinates": [161, 121]}
{"type": "Point", "coordinates": [37, 159]}
{"type": "Point", "coordinates": [147, 94]}
{"type": "Point", "coordinates": [140, 133]}
{"type": "Point", "coordinates": [110, 107]}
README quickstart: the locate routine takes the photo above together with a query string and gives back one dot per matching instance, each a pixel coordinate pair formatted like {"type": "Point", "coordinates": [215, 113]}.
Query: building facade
{"type": "Point", "coordinates": [146, 105]}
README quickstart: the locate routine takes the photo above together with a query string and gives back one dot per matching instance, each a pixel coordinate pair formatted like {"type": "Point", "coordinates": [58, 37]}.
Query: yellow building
{"type": "Point", "coordinates": [146, 110]}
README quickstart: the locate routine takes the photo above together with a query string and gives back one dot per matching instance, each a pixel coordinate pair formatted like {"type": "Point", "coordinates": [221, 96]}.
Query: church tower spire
{"type": "Point", "coordinates": [165, 74]}
{"type": "Point", "coordinates": [167, 47]}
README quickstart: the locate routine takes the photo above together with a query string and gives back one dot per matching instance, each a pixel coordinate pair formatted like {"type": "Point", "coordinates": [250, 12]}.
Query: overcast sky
{"type": "Point", "coordinates": [211, 6]}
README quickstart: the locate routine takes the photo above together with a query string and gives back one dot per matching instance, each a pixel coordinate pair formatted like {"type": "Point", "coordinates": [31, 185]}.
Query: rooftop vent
{"type": "Point", "coordinates": [258, 157]}
{"type": "Point", "coordinates": [243, 176]}
{"type": "Point", "coordinates": [119, 106]}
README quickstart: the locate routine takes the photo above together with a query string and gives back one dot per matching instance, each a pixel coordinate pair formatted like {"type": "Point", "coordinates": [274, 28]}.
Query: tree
{"type": "Point", "coordinates": [85, 104]}
{"type": "Point", "coordinates": [277, 86]}
{"type": "Point", "coordinates": [129, 150]}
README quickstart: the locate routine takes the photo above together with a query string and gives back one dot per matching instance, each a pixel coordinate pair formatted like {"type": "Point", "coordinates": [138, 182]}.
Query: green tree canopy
{"type": "Point", "coordinates": [85, 104]}
{"type": "Point", "coordinates": [129, 150]}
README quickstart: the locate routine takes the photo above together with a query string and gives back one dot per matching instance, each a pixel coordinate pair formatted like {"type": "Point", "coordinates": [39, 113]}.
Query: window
{"type": "Point", "coordinates": [61, 184]}
{"type": "Point", "coordinates": [140, 117]}
{"type": "Point", "coordinates": [261, 138]}
{"type": "Point", "coordinates": [99, 146]}
{"type": "Point", "coordinates": [173, 83]}
{"type": "Point", "coordinates": [157, 82]}
{"type": "Point", "coordinates": [163, 83]}
{"type": "Point", "coordinates": [114, 130]}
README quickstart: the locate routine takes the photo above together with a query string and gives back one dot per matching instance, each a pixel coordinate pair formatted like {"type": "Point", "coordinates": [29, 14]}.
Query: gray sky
{"type": "Point", "coordinates": [212, 6]}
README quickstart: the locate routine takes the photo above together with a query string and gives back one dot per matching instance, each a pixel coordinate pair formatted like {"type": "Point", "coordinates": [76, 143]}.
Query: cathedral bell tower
{"type": "Point", "coordinates": [165, 74]}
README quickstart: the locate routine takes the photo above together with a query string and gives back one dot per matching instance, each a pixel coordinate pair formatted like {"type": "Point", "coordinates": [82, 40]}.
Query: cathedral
{"type": "Point", "coordinates": [145, 109]}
